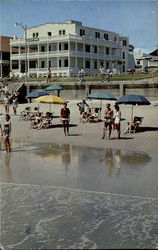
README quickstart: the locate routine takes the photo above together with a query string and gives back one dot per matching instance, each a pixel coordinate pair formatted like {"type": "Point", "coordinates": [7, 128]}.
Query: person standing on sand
{"type": "Point", "coordinates": [6, 104]}
{"type": "Point", "coordinates": [117, 120]}
{"type": "Point", "coordinates": [7, 132]}
{"type": "Point", "coordinates": [108, 116]}
{"type": "Point", "coordinates": [15, 104]}
{"type": "Point", "coordinates": [65, 117]}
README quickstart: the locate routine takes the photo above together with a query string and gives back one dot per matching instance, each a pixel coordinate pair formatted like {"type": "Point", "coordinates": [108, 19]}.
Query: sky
{"type": "Point", "coordinates": [136, 19]}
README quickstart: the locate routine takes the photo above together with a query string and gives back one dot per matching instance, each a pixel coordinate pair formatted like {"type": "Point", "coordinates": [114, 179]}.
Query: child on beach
{"type": "Point", "coordinates": [7, 132]}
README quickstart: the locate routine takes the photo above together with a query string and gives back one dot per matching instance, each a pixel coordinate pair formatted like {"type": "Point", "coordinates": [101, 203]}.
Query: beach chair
{"type": "Point", "coordinates": [47, 121]}
{"type": "Point", "coordinates": [133, 127]}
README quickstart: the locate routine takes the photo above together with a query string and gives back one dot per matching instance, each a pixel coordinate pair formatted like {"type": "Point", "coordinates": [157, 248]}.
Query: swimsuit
{"type": "Point", "coordinates": [6, 128]}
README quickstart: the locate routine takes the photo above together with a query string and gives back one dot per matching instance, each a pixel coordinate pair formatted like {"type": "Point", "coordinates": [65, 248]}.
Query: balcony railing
{"type": "Point", "coordinates": [73, 38]}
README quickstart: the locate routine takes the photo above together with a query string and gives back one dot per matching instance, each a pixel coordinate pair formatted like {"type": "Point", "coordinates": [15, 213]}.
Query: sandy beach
{"type": "Point", "coordinates": [89, 134]}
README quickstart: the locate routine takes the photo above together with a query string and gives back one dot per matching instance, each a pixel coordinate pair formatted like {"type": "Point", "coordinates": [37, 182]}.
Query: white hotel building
{"type": "Point", "coordinates": [66, 47]}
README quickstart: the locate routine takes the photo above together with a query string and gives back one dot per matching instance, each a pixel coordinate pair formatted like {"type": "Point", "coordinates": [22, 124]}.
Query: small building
{"type": "Point", "coordinates": [147, 61]}
{"type": "Point", "coordinates": [4, 56]}
{"type": "Point", "coordinates": [66, 47]}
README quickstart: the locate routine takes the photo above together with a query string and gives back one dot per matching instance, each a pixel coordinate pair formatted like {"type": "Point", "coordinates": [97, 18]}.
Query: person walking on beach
{"type": "Point", "coordinates": [6, 104]}
{"type": "Point", "coordinates": [117, 120]}
{"type": "Point", "coordinates": [108, 116]}
{"type": "Point", "coordinates": [82, 106]}
{"type": "Point", "coordinates": [49, 75]}
{"type": "Point", "coordinates": [102, 72]}
{"type": "Point", "coordinates": [7, 132]}
{"type": "Point", "coordinates": [15, 104]}
{"type": "Point", "coordinates": [65, 117]}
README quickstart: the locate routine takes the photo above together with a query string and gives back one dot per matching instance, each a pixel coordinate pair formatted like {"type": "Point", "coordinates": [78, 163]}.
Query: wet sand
{"type": "Point", "coordinates": [78, 191]}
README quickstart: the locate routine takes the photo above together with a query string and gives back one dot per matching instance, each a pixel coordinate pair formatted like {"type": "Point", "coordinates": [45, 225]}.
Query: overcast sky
{"type": "Point", "coordinates": [136, 19]}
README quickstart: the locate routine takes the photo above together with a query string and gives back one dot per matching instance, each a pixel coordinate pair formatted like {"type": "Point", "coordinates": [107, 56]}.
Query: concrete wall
{"type": "Point", "coordinates": [147, 88]}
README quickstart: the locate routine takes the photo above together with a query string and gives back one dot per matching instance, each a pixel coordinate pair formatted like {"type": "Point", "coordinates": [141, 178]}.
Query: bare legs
{"type": "Point", "coordinates": [105, 131]}
{"type": "Point", "coordinates": [66, 127]}
{"type": "Point", "coordinates": [7, 144]}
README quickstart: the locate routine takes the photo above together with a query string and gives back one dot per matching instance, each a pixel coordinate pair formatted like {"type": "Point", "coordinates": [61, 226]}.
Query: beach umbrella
{"type": "Point", "coordinates": [52, 99]}
{"type": "Point", "coordinates": [54, 87]}
{"type": "Point", "coordinates": [133, 100]}
{"type": "Point", "coordinates": [36, 94]}
{"type": "Point", "coordinates": [102, 96]}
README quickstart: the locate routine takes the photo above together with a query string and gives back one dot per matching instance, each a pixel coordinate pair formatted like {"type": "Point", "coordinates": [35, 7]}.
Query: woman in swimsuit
{"type": "Point", "coordinates": [108, 116]}
{"type": "Point", "coordinates": [117, 120]}
{"type": "Point", "coordinates": [14, 104]}
{"type": "Point", "coordinates": [6, 132]}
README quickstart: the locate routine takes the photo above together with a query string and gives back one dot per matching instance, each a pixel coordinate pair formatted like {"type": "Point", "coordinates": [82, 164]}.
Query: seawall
{"type": "Point", "coordinates": [76, 90]}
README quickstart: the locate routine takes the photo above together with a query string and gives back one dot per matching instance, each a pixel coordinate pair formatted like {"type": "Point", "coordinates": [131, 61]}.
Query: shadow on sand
{"type": "Point", "coordinates": [144, 129]}
{"type": "Point", "coordinates": [61, 125]}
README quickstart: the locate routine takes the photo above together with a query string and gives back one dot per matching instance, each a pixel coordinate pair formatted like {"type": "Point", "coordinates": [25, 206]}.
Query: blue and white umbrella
{"type": "Point", "coordinates": [36, 94]}
{"type": "Point", "coordinates": [133, 100]}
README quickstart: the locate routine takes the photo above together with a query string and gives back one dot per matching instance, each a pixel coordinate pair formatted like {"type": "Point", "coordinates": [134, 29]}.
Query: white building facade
{"type": "Point", "coordinates": [66, 47]}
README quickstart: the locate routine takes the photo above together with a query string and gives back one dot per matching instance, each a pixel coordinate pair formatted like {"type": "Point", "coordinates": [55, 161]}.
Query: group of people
{"type": "Point", "coordinates": [81, 74]}
{"type": "Point", "coordinates": [111, 120]}
{"type": "Point", "coordinates": [7, 103]}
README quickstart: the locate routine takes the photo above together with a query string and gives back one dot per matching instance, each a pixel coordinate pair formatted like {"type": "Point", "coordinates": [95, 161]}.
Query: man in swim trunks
{"type": "Point", "coordinates": [108, 120]}
{"type": "Point", "coordinates": [65, 117]}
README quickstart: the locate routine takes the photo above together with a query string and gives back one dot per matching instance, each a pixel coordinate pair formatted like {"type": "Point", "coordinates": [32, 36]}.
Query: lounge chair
{"type": "Point", "coordinates": [132, 127]}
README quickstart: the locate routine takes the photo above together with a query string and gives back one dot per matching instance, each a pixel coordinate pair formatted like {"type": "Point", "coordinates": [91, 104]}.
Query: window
{"type": "Point", "coordinates": [87, 48]}
{"type": "Point", "coordinates": [49, 33]}
{"type": "Point", "coordinates": [123, 55]}
{"type": "Point", "coordinates": [107, 65]}
{"type": "Point", "coordinates": [95, 64]}
{"type": "Point", "coordinates": [115, 39]}
{"type": "Point", "coordinates": [50, 48]}
{"type": "Point", "coordinates": [59, 63]}
{"type": "Point", "coordinates": [87, 64]}
{"type": "Point", "coordinates": [66, 46]}
{"type": "Point", "coordinates": [33, 35]}
{"type": "Point", "coordinates": [124, 43]}
{"type": "Point", "coordinates": [43, 64]}
{"type": "Point", "coordinates": [106, 36]}
{"type": "Point", "coordinates": [49, 64]}
{"type": "Point", "coordinates": [62, 32]}
{"type": "Point", "coordinates": [37, 34]}
{"type": "Point", "coordinates": [42, 48]}
{"type": "Point", "coordinates": [66, 63]}
{"type": "Point", "coordinates": [59, 46]}
{"type": "Point", "coordinates": [82, 32]}
{"type": "Point", "coordinates": [97, 35]}
{"type": "Point", "coordinates": [95, 49]}
{"type": "Point", "coordinates": [102, 64]}
{"type": "Point", "coordinates": [107, 51]}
